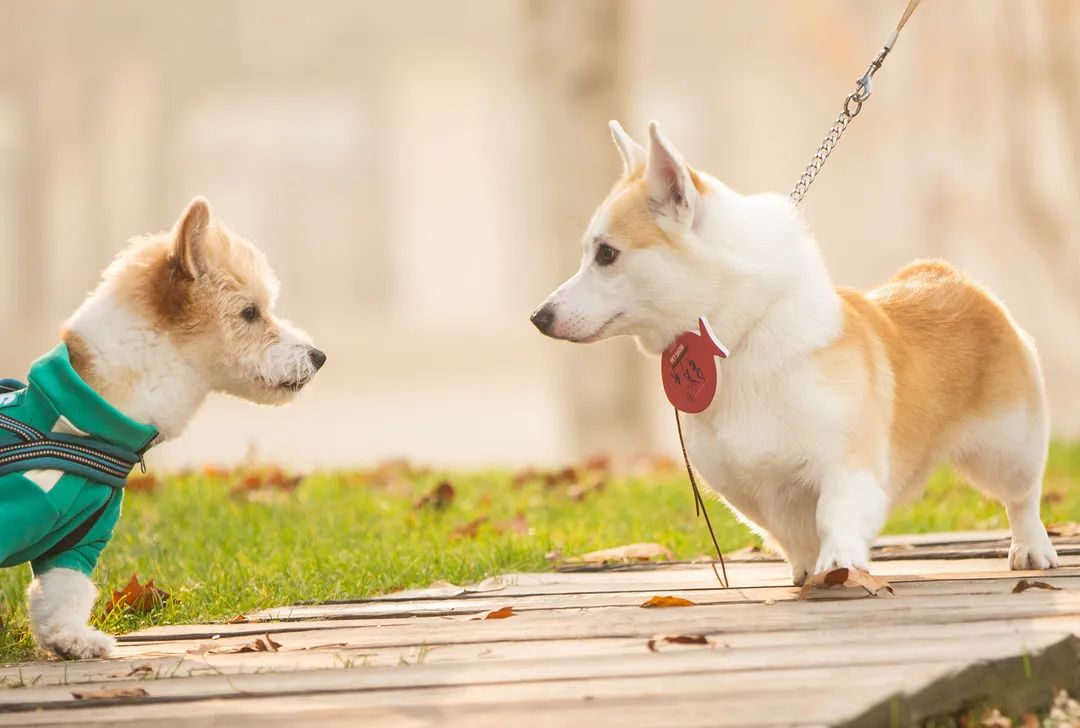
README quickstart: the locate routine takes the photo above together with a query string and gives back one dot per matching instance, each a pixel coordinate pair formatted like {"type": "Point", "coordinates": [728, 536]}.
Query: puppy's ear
{"type": "Point", "coordinates": [672, 193]}
{"type": "Point", "coordinates": [189, 237]}
{"type": "Point", "coordinates": [633, 154]}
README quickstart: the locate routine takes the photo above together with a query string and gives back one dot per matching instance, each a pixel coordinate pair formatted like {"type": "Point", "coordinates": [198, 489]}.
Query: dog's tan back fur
{"type": "Point", "coordinates": [950, 350]}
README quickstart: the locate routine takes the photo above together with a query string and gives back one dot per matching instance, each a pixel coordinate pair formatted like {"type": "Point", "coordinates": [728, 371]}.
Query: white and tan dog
{"type": "Point", "coordinates": [833, 404]}
{"type": "Point", "coordinates": [176, 316]}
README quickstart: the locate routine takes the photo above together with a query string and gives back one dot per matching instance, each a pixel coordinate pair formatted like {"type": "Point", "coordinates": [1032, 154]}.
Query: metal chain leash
{"type": "Point", "coordinates": [852, 106]}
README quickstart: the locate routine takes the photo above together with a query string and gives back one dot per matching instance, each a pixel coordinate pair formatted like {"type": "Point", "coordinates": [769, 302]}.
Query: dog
{"type": "Point", "coordinates": [833, 405]}
{"type": "Point", "coordinates": [176, 316]}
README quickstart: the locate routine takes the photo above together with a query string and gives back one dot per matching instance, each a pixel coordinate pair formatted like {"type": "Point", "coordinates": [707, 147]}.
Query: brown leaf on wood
{"type": "Point", "coordinates": [848, 578]}
{"type": "Point", "coordinates": [106, 693]}
{"type": "Point", "coordinates": [1063, 529]}
{"type": "Point", "coordinates": [260, 644]}
{"type": "Point", "coordinates": [502, 613]}
{"type": "Point", "coordinates": [135, 671]}
{"type": "Point", "coordinates": [438, 498]}
{"type": "Point", "coordinates": [470, 529]}
{"type": "Point", "coordinates": [238, 619]}
{"type": "Point", "coordinates": [137, 597]}
{"type": "Point", "coordinates": [668, 601]}
{"type": "Point", "coordinates": [677, 639]}
{"type": "Point", "coordinates": [141, 483]}
{"type": "Point", "coordinates": [628, 553]}
{"type": "Point", "coordinates": [1024, 584]}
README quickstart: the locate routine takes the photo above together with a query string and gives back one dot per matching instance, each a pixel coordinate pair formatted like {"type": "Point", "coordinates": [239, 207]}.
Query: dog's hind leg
{"type": "Point", "coordinates": [60, 601]}
{"type": "Point", "coordinates": [1004, 457]}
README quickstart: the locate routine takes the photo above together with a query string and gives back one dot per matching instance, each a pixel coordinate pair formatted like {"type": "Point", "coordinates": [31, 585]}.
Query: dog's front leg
{"type": "Point", "coordinates": [60, 602]}
{"type": "Point", "coordinates": [851, 510]}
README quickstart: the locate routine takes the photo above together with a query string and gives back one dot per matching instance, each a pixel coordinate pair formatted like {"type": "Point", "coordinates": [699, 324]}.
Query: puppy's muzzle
{"type": "Point", "coordinates": [543, 318]}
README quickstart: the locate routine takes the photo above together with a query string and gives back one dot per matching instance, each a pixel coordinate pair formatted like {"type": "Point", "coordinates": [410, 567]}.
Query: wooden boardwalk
{"type": "Point", "coordinates": [575, 651]}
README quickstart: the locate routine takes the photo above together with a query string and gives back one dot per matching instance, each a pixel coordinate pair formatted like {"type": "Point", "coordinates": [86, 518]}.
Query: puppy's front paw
{"type": "Point", "coordinates": [1028, 556]}
{"type": "Point", "coordinates": [835, 555]}
{"type": "Point", "coordinates": [79, 642]}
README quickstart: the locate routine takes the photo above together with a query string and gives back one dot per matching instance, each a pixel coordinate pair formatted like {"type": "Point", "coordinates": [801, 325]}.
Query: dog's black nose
{"type": "Point", "coordinates": [318, 358]}
{"type": "Point", "coordinates": [543, 318]}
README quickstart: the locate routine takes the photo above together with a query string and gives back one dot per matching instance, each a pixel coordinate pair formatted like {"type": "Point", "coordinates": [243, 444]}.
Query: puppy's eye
{"type": "Point", "coordinates": [250, 314]}
{"type": "Point", "coordinates": [605, 254]}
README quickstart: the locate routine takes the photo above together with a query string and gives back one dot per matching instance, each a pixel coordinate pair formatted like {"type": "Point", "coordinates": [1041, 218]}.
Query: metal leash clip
{"type": "Point", "coordinates": [852, 106]}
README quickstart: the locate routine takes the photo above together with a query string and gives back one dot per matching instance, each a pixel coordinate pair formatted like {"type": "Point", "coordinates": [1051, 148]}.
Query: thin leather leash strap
{"type": "Point", "coordinates": [699, 504]}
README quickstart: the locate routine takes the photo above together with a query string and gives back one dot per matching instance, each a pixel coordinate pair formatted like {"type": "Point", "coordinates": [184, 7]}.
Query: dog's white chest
{"type": "Point", "coordinates": [760, 445]}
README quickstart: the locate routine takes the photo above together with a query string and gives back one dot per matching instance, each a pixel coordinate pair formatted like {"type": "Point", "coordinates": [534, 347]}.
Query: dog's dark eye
{"type": "Point", "coordinates": [251, 313]}
{"type": "Point", "coordinates": [605, 254]}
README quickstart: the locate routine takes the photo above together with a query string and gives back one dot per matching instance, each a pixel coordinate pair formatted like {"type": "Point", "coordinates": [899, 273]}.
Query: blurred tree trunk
{"type": "Point", "coordinates": [573, 91]}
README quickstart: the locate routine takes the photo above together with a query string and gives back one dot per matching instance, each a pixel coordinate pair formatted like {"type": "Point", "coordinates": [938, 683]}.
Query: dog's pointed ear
{"type": "Point", "coordinates": [669, 179]}
{"type": "Point", "coordinates": [633, 154]}
{"type": "Point", "coordinates": [189, 237]}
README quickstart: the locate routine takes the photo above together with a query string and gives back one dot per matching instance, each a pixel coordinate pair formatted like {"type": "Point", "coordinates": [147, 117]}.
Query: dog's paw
{"type": "Point", "coordinates": [799, 576]}
{"type": "Point", "coordinates": [838, 556]}
{"type": "Point", "coordinates": [1033, 556]}
{"type": "Point", "coordinates": [79, 642]}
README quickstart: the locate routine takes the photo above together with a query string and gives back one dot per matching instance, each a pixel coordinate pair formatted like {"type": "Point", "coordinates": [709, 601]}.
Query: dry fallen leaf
{"type": "Point", "coordinates": [135, 671]}
{"type": "Point", "coordinates": [502, 613]}
{"type": "Point", "coordinates": [261, 644]}
{"type": "Point", "coordinates": [254, 482]}
{"type": "Point", "coordinates": [439, 498]}
{"type": "Point", "coordinates": [592, 484]}
{"type": "Point", "coordinates": [845, 577]}
{"type": "Point", "coordinates": [137, 597]}
{"type": "Point", "coordinates": [628, 553]}
{"type": "Point", "coordinates": [677, 639]}
{"type": "Point", "coordinates": [141, 483]}
{"type": "Point", "coordinates": [669, 601]}
{"type": "Point", "coordinates": [238, 619]}
{"type": "Point", "coordinates": [1023, 585]}
{"type": "Point", "coordinates": [517, 524]}
{"type": "Point", "coordinates": [1063, 529]}
{"type": "Point", "coordinates": [470, 529]}
{"type": "Point", "coordinates": [106, 693]}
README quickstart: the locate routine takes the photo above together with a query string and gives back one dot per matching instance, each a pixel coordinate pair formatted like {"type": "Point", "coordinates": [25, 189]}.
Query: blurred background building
{"type": "Point", "coordinates": [419, 174]}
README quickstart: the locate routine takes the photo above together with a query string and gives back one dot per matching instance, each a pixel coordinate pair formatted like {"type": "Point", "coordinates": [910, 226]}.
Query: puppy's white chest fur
{"type": "Point", "coordinates": [764, 444]}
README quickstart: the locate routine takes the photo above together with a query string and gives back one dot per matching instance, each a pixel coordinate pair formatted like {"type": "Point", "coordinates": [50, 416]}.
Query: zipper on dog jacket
{"type": "Point", "coordinates": [65, 455]}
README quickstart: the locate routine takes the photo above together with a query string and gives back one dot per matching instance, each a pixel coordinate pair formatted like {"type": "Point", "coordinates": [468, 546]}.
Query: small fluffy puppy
{"type": "Point", "coordinates": [176, 316]}
{"type": "Point", "coordinates": [833, 404]}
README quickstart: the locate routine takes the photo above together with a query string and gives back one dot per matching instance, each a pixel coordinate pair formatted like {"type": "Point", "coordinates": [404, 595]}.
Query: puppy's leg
{"type": "Point", "coordinates": [1005, 464]}
{"type": "Point", "coordinates": [851, 510]}
{"type": "Point", "coordinates": [60, 601]}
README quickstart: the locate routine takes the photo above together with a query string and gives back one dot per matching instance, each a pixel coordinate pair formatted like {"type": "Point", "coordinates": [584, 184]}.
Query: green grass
{"type": "Point", "coordinates": [341, 535]}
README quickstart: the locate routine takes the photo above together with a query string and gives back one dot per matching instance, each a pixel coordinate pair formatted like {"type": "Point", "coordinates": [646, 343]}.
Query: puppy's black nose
{"type": "Point", "coordinates": [543, 318]}
{"type": "Point", "coordinates": [318, 358]}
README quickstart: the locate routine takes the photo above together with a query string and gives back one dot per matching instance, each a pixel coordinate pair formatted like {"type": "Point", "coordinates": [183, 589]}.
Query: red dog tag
{"type": "Point", "coordinates": [688, 368]}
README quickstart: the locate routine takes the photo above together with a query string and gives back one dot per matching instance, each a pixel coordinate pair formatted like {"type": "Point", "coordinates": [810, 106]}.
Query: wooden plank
{"type": "Point", "coordinates": [700, 576]}
{"type": "Point", "coordinates": [667, 676]}
{"type": "Point", "coordinates": [476, 604]}
{"type": "Point", "coordinates": [338, 649]}
{"type": "Point", "coordinates": [726, 621]}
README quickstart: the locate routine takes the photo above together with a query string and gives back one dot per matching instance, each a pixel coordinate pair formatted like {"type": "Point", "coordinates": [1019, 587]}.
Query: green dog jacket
{"type": "Point", "coordinates": [65, 454]}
